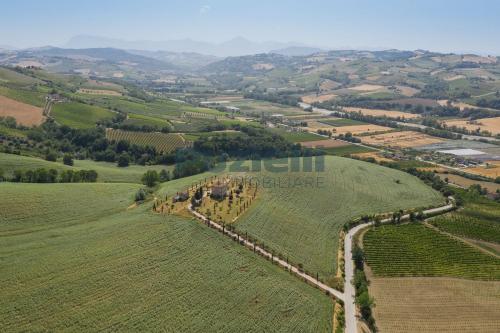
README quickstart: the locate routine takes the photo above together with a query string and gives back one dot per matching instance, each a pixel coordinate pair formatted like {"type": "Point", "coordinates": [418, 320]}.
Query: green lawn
{"type": "Point", "coordinates": [78, 115]}
{"type": "Point", "coordinates": [107, 172]}
{"type": "Point", "coordinates": [303, 221]}
{"type": "Point", "coordinates": [75, 259]}
{"type": "Point", "coordinates": [416, 250]}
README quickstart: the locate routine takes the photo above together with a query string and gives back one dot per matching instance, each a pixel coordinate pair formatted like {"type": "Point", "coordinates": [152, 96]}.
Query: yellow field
{"type": "Point", "coordinates": [98, 92]}
{"type": "Point", "coordinates": [329, 143]}
{"type": "Point", "coordinates": [367, 87]}
{"type": "Point", "coordinates": [403, 139]}
{"type": "Point", "coordinates": [491, 125]}
{"type": "Point", "coordinates": [24, 114]}
{"type": "Point", "coordinates": [381, 113]}
{"type": "Point", "coordinates": [492, 170]}
{"type": "Point", "coordinates": [309, 99]}
{"type": "Point", "coordinates": [314, 125]}
{"type": "Point", "coordinates": [374, 155]}
{"type": "Point", "coordinates": [436, 305]}
{"type": "Point", "coordinates": [466, 182]}
{"type": "Point", "coordinates": [361, 129]}
{"type": "Point", "coordinates": [407, 91]}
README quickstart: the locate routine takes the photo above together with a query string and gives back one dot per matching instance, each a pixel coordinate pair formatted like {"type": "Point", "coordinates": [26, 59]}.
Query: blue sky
{"type": "Point", "coordinates": [440, 25]}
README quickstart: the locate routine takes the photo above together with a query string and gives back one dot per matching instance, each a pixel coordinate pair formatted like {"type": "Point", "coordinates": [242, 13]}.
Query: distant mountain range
{"type": "Point", "coordinates": [235, 47]}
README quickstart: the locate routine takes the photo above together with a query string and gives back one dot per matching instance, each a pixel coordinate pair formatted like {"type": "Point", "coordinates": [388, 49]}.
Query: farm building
{"type": "Point", "coordinates": [181, 197]}
{"type": "Point", "coordinates": [232, 109]}
{"type": "Point", "coordinates": [219, 191]}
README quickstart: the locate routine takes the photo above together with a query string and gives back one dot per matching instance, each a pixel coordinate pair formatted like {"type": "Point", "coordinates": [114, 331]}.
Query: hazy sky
{"type": "Point", "coordinates": [440, 25]}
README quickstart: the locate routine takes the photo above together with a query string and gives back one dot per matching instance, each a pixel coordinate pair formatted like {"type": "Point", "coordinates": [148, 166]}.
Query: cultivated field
{"type": "Point", "coordinates": [163, 142]}
{"type": "Point", "coordinates": [315, 125]}
{"type": "Point", "coordinates": [361, 129]}
{"type": "Point", "coordinates": [310, 99]}
{"type": "Point", "coordinates": [298, 136]}
{"type": "Point", "coordinates": [79, 115]}
{"type": "Point", "coordinates": [375, 155]}
{"type": "Point", "coordinates": [99, 92]}
{"type": "Point", "coordinates": [403, 139]}
{"type": "Point", "coordinates": [381, 113]}
{"type": "Point", "coordinates": [367, 87]}
{"type": "Point", "coordinates": [428, 305]}
{"type": "Point", "coordinates": [478, 220]}
{"type": "Point", "coordinates": [347, 150]}
{"type": "Point", "coordinates": [301, 216]}
{"type": "Point", "coordinates": [492, 170]}
{"type": "Point", "coordinates": [491, 125]}
{"type": "Point", "coordinates": [74, 258]}
{"type": "Point", "coordinates": [339, 122]}
{"type": "Point", "coordinates": [329, 143]}
{"type": "Point", "coordinates": [466, 182]}
{"type": "Point", "coordinates": [416, 250]}
{"type": "Point", "coordinates": [25, 114]}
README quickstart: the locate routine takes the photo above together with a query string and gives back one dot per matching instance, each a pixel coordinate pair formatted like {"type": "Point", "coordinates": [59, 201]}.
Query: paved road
{"type": "Point", "coordinates": [349, 292]}
{"type": "Point", "coordinates": [348, 296]}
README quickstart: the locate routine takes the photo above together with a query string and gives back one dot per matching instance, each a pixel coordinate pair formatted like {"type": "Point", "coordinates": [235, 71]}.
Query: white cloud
{"type": "Point", "coordinates": [205, 9]}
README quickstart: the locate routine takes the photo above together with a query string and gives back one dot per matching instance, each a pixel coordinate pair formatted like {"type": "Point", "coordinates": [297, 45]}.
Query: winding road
{"type": "Point", "coordinates": [348, 296]}
{"type": "Point", "coordinates": [349, 292]}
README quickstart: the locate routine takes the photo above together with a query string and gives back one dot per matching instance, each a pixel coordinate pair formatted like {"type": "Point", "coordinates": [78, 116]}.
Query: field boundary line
{"type": "Point", "coordinates": [252, 246]}
{"type": "Point", "coordinates": [349, 290]}
{"type": "Point", "coordinates": [460, 239]}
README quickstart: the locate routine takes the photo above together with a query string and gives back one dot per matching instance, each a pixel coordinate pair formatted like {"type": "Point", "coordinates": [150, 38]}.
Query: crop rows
{"type": "Point", "coordinates": [415, 250]}
{"type": "Point", "coordinates": [299, 215]}
{"type": "Point", "coordinates": [162, 142]}
{"type": "Point", "coordinates": [470, 227]}
{"type": "Point", "coordinates": [82, 263]}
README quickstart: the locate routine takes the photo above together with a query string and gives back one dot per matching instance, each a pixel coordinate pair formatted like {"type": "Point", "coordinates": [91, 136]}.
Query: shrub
{"type": "Point", "coordinates": [68, 159]}
{"type": "Point", "coordinates": [150, 178]}
{"type": "Point", "coordinates": [123, 160]}
{"type": "Point", "coordinates": [140, 195]}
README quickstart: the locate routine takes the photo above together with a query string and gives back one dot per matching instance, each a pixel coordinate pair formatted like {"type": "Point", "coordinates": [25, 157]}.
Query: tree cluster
{"type": "Point", "coordinates": [42, 175]}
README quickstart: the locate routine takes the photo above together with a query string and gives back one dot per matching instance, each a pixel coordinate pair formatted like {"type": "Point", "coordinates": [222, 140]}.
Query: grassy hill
{"type": "Point", "coordinates": [303, 222]}
{"type": "Point", "coordinates": [83, 262]}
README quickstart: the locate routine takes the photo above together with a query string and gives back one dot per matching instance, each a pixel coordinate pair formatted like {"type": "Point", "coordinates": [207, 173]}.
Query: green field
{"type": "Point", "coordinates": [347, 150]}
{"type": "Point", "coordinates": [107, 172]}
{"type": "Point", "coordinates": [342, 122]}
{"type": "Point", "coordinates": [74, 258]}
{"type": "Point", "coordinates": [78, 115]}
{"type": "Point", "coordinates": [11, 77]}
{"type": "Point", "coordinates": [416, 250]}
{"type": "Point", "coordinates": [159, 108]}
{"type": "Point", "coordinates": [298, 136]}
{"type": "Point", "coordinates": [141, 120]}
{"type": "Point", "coordinates": [25, 96]}
{"type": "Point", "coordinates": [303, 222]}
{"type": "Point", "coordinates": [163, 142]}
{"type": "Point", "coordinates": [479, 220]}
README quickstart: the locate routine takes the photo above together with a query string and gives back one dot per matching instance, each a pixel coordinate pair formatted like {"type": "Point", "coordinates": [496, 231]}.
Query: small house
{"type": "Point", "coordinates": [219, 191]}
{"type": "Point", "coordinates": [181, 197]}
